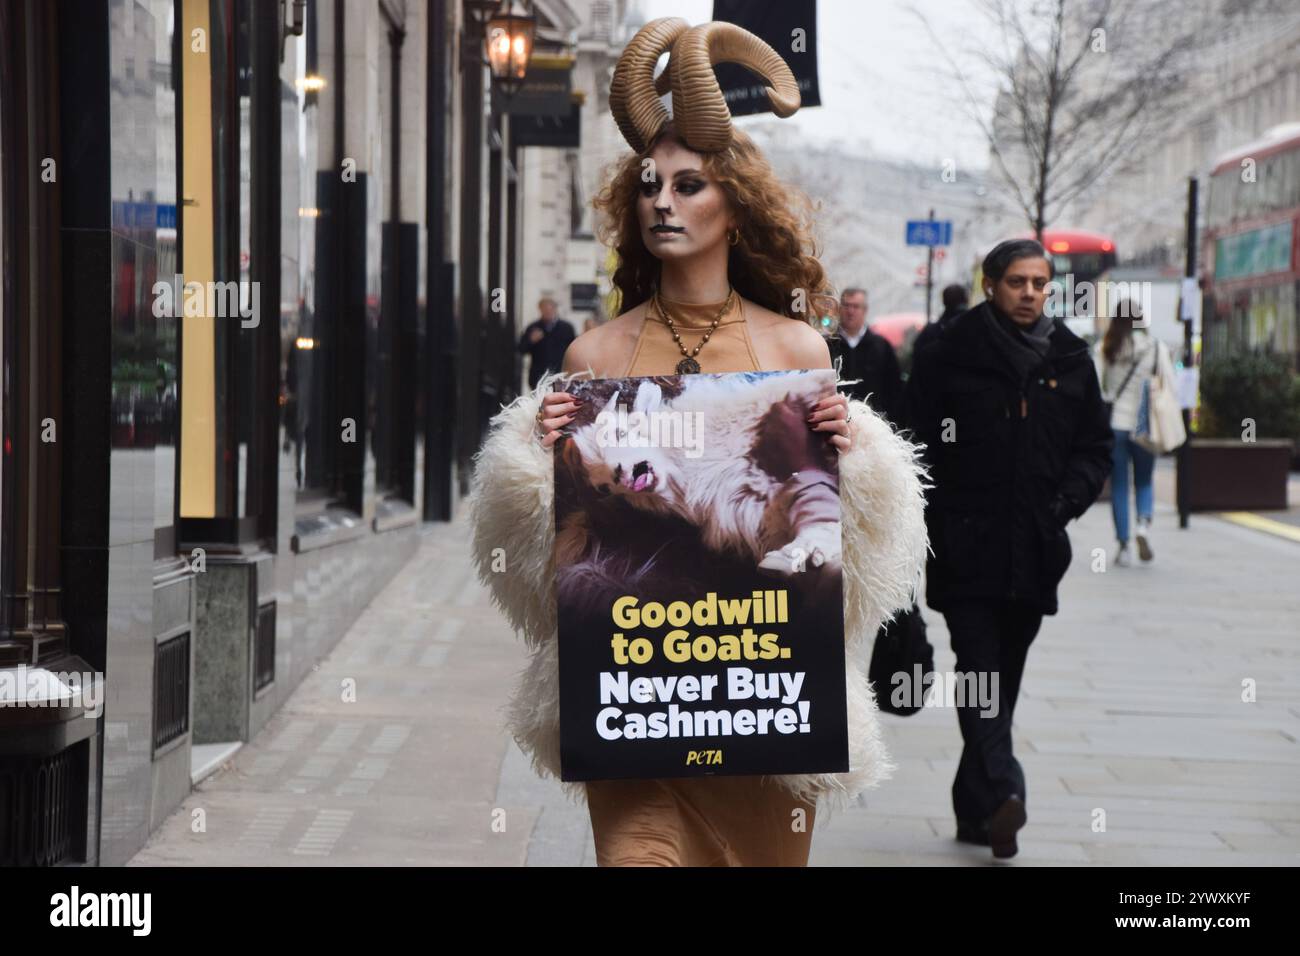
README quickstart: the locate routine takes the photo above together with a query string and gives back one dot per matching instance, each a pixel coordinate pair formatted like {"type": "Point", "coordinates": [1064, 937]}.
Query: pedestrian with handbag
{"type": "Point", "coordinates": [1136, 373]}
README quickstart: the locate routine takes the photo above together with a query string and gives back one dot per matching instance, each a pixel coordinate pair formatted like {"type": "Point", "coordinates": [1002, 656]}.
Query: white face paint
{"type": "Point", "coordinates": [682, 210]}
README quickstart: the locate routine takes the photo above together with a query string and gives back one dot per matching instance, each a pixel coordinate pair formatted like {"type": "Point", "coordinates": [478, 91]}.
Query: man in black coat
{"type": "Point", "coordinates": [545, 341]}
{"type": "Point", "coordinates": [1018, 443]}
{"type": "Point", "coordinates": [867, 357]}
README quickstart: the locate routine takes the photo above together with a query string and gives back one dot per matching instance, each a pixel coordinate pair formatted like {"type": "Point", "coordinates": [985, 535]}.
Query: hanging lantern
{"type": "Point", "coordinates": [509, 40]}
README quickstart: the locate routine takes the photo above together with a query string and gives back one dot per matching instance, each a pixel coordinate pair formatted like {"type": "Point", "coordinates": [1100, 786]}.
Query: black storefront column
{"type": "Point", "coordinates": [439, 368]}
{"type": "Point", "coordinates": [472, 408]}
{"type": "Point", "coordinates": [396, 414]}
{"type": "Point", "coordinates": [341, 311]}
{"type": "Point", "coordinates": [513, 361]}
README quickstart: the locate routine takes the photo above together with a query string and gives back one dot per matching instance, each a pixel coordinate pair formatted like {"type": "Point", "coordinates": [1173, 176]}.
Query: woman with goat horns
{"type": "Point", "coordinates": [716, 273]}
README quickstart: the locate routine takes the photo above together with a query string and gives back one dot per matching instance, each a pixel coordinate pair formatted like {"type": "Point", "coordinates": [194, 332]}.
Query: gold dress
{"type": "Point", "coordinates": [710, 820]}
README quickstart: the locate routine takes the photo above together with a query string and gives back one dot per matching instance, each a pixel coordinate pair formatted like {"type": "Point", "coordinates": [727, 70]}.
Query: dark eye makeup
{"type": "Point", "coordinates": [688, 187]}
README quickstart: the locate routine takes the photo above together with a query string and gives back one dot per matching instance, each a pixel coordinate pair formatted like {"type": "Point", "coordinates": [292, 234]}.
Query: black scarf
{"type": "Point", "coordinates": [1023, 349]}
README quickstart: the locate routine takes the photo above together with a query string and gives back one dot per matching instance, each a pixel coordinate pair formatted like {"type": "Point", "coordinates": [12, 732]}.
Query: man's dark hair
{"type": "Point", "coordinates": [1004, 253]}
{"type": "Point", "coordinates": [954, 296]}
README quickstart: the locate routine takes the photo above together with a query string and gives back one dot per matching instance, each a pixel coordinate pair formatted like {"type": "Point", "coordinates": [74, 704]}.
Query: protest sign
{"type": "Point", "coordinates": [698, 579]}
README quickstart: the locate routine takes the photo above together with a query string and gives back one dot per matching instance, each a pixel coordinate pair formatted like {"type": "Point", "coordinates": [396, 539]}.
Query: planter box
{"type": "Point", "coordinates": [1227, 474]}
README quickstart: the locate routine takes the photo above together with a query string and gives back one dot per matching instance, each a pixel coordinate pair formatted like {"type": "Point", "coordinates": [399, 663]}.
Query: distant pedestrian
{"type": "Point", "coordinates": [1017, 442]}
{"type": "Point", "coordinates": [1127, 358]}
{"type": "Point", "coordinates": [545, 341]}
{"type": "Point", "coordinates": [956, 300]}
{"type": "Point", "coordinates": [867, 357]}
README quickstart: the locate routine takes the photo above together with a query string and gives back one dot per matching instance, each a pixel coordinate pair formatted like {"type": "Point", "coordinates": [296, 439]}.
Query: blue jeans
{"type": "Point", "coordinates": [1144, 463]}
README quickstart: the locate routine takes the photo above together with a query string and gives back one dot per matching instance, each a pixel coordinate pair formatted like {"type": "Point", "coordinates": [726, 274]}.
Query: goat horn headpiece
{"type": "Point", "coordinates": [700, 113]}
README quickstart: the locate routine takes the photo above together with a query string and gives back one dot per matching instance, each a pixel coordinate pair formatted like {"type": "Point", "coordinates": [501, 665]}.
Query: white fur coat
{"type": "Point", "coordinates": [884, 548]}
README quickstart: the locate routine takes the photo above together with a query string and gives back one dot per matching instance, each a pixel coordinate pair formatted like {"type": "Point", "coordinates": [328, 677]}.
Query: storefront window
{"type": "Point", "coordinates": [31, 383]}
{"type": "Point", "coordinates": [245, 345]}
{"type": "Point", "coordinates": [227, 462]}
{"type": "Point", "coordinates": [308, 346]}
{"type": "Point", "coordinates": [166, 391]}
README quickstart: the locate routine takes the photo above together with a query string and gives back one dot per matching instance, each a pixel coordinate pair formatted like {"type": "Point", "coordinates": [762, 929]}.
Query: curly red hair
{"type": "Point", "coordinates": [776, 254]}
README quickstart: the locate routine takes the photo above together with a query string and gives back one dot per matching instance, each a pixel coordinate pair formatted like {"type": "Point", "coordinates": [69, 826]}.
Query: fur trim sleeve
{"type": "Point", "coordinates": [512, 517]}
{"type": "Point", "coordinates": [882, 501]}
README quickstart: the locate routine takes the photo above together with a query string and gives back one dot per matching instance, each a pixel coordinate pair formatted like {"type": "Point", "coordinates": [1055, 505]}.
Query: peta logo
{"type": "Point", "coordinates": [102, 909]}
{"type": "Point", "coordinates": [702, 757]}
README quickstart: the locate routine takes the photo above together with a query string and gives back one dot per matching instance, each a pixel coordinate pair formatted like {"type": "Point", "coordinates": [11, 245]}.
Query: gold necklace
{"type": "Point", "coordinates": [688, 365]}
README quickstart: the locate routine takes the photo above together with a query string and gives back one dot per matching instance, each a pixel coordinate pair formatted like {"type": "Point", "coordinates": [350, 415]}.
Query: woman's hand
{"type": "Point", "coordinates": [831, 415]}
{"type": "Point", "coordinates": [556, 411]}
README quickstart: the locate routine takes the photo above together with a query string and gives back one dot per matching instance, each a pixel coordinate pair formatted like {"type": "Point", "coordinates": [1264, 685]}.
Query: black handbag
{"type": "Point", "coordinates": [901, 646]}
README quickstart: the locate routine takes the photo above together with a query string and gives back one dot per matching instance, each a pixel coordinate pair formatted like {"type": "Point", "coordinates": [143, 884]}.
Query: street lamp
{"type": "Point", "coordinates": [509, 40]}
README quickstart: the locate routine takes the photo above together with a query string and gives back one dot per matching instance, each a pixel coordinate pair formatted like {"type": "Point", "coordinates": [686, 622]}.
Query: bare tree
{"type": "Point", "coordinates": [1080, 83]}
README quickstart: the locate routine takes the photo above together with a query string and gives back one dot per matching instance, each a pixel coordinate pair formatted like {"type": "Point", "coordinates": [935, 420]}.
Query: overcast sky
{"type": "Point", "coordinates": [882, 81]}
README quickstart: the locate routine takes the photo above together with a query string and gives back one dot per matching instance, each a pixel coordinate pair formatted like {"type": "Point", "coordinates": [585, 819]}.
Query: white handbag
{"type": "Point", "coordinates": [1166, 428]}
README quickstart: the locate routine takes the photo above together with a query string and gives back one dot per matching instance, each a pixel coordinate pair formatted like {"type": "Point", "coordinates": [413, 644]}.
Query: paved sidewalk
{"type": "Point", "coordinates": [406, 774]}
{"type": "Point", "coordinates": [1131, 705]}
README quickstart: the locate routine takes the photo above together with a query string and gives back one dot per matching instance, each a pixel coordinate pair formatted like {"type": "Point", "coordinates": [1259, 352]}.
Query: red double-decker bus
{"type": "Point", "coordinates": [1083, 255]}
{"type": "Point", "coordinates": [1078, 257]}
{"type": "Point", "coordinates": [1250, 272]}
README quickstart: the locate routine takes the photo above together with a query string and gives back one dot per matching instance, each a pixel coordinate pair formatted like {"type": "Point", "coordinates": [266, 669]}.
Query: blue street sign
{"type": "Point", "coordinates": [924, 232]}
